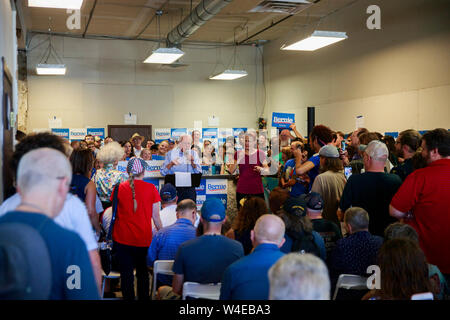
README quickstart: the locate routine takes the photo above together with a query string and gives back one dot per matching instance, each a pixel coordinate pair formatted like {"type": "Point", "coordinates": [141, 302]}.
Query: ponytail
{"type": "Point", "coordinates": [133, 191]}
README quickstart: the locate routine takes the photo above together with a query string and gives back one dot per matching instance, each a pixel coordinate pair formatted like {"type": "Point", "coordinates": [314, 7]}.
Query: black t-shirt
{"type": "Point", "coordinates": [372, 191]}
{"type": "Point", "coordinates": [329, 231]}
{"type": "Point", "coordinates": [404, 169]}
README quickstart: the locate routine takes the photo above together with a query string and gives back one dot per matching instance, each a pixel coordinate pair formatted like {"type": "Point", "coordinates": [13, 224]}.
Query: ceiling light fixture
{"type": "Point", "coordinates": [229, 75]}
{"type": "Point", "coordinates": [231, 72]}
{"type": "Point", "coordinates": [56, 4]}
{"type": "Point", "coordinates": [317, 40]}
{"type": "Point", "coordinates": [163, 55]}
{"type": "Point", "coordinates": [45, 68]}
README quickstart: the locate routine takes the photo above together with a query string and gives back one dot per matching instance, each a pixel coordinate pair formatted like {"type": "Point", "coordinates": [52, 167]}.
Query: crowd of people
{"type": "Point", "coordinates": [343, 203]}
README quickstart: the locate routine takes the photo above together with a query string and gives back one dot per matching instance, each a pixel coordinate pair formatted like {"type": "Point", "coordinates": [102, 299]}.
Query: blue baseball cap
{"type": "Point", "coordinates": [213, 210]}
{"type": "Point", "coordinates": [168, 192]}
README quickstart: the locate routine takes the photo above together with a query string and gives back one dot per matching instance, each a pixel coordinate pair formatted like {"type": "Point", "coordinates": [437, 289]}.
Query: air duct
{"type": "Point", "coordinates": [203, 12]}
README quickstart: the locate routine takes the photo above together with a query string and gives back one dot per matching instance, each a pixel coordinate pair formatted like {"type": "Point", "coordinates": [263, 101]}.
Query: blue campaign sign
{"type": "Point", "coordinates": [236, 131]}
{"type": "Point", "coordinates": [99, 132]}
{"type": "Point", "coordinates": [422, 132]}
{"type": "Point", "coordinates": [282, 120]}
{"type": "Point", "coordinates": [221, 197]}
{"type": "Point", "coordinates": [63, 133]}
{"type": "Point", "coordinates": [201, 189]}
{"type": "Point", "coordinates": [153, 181]}
{"type": "Point", "coordinates": [175, 133]}
{"type": "Point", "coordinates": [392, 134]}
{"type": "Point", "coordinates": [209, 133]}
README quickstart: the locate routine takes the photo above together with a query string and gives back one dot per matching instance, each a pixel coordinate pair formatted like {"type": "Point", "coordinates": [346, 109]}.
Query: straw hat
{"type": "Point", "coordinates": [137, 135]}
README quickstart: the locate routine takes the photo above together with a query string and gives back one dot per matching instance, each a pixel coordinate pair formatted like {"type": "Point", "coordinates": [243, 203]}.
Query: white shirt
{"type": "Point", "coordinates": [73, 217]}
{"type": "Point", "coordinates": [168, 215]}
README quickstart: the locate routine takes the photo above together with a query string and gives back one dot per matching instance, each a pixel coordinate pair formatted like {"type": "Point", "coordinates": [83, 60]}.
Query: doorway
{"type": "Point", "coordinates": [124, 132]}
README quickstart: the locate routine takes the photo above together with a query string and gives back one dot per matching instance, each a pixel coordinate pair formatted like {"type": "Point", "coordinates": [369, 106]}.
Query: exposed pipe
{"type": "Point", "coordinates": [203, 12]}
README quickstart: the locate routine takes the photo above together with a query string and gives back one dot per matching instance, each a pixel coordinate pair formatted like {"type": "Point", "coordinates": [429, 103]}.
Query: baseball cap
{"type": "Point", "coordinates": [313, 201]}
{"type": "Point", "coordinates": [25, 267]}
{"type": "Point", "coordinates": [329, 151]}
{"type": "Point", "coordinates": [213, 210]}
{"type": "Point", "coordinates": [168, 192]}
{"type": "Point", "coordinates": [377, 150]}
{"type": "Point", "coordinates": [136, 166]}
{"type": "Point", "coordinates": [295, 206]}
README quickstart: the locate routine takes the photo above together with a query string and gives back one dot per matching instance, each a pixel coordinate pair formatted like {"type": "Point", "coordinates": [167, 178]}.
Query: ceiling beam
{"type": "Point", "coordinates": [90, 18]}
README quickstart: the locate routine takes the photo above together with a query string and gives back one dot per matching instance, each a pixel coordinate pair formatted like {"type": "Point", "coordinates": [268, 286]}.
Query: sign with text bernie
{"type": "Point", "coordinates": [282, 120]}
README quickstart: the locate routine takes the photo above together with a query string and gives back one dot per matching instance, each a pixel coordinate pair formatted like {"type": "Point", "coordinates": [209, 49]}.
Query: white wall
{"type": "Point", "coordinates": [397, 77]}
{"type": "Point", "coordinates": [8, 50]}
{"type": "Point", "coordinates": [106, 79]}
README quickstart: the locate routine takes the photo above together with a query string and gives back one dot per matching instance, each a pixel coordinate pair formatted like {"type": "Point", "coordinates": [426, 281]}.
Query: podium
{"type": "Point", "coordinates": [195, 179]}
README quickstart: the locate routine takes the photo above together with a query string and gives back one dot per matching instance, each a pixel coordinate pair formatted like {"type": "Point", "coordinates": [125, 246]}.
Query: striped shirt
{"type": "Point", "coordinates": [166, 241]}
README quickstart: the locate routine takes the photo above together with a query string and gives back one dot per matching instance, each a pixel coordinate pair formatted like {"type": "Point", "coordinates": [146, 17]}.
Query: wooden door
{"type": "Point", "coordinates": [124, 132]}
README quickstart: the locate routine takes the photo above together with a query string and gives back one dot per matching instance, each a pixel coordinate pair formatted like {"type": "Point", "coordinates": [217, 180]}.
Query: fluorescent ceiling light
{"type": "Point", "coordinates": [229, 75]}
{"type": "Point", "coordinates": [317, 40]}
{"type": "Point", "coordinates": [57, 4]}
{"type": "Point", "coordinates": [164, 55]}
{"type": "Point", "coordinates": [50, 69]}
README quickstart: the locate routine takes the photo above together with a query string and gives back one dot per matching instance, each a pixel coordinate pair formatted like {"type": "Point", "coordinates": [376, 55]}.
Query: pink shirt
{"type": "Point", "coordinates": [250, 181]}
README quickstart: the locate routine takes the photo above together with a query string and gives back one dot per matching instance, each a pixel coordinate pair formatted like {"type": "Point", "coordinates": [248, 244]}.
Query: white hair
{"type": "Point", "coordinates": [110, 153]}
{"type": "Point", "coordinates": [41, 168]}
{"type": "Point", "coordinates": [377, 150]}
{"type": "Point", "coordinates": [299, 277]}
{"type": "Point", "coordinates": [187, 136]}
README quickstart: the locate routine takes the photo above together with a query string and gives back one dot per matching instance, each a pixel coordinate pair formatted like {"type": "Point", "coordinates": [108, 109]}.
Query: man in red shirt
{"type": "Point", "coordinates": [423, 200]}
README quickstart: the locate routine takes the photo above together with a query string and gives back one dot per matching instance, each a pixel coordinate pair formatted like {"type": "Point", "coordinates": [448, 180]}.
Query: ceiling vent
{"type": "Point", "coordinates": [282, 6]}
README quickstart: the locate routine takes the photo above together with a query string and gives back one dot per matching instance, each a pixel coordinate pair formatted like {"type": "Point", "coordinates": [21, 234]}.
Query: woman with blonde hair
{"type": "Point", "coordinates": [138, 204]}
{"type": "Point", "coordinates": [107, 177]}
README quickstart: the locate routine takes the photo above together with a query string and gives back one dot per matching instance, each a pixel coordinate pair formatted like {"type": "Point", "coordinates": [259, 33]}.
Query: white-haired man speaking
{"type": "Point", "coordinates": [182, 159]}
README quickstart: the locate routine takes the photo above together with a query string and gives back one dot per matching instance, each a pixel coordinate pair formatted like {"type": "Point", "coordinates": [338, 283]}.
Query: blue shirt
{"type": "Point", "coordinates": [65, 249]}
{"type": "Point", "coordinates": [166, 241]}
{"type": "Point", "coordinates": [247, 278]}
{"type": "Point", "coordinates": [204, 259]}
{"type": "Point", "coordinates": [298, 188]}
{"type": "Point", "coordinates": [314, 172]}
{"type": "Point", "coordinates": [185, 164]}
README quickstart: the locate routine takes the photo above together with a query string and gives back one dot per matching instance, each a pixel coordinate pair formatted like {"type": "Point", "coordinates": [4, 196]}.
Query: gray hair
{"type": "Point", "coordinates": [110, 153]}
{"type": "Point", "coordinates": [377, 150]}
{"type": "Point", "coordinates": [400, 230]}
{"type": "Point", "coordinates": [41, 168]}
{"type": "Point", "coordinates": [299, 277]}
{"type": "Point", "coordinates": [357, 217]}
{"type": "Point", "coordinates": [187, 136]}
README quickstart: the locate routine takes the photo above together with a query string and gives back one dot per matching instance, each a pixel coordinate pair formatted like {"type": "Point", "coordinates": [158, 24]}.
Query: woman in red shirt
{"type": "Point", "coordinates": [252, 163]}
{"type": "Point", "coordinates": [138, 204]}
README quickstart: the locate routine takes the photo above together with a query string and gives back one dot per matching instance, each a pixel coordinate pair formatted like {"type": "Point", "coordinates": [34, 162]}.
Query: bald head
{"type": "Point", "coordinates": [41, 169]}
{"type": "Point", "coordinates": [269, 228]}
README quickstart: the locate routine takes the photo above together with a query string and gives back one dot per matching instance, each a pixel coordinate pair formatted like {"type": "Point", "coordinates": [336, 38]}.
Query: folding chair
{"type": "Point", "coordinates": [196, 290]}
{"type": "Point", "coordinates": [161, 267]}
{"type": "Point", "coordinates": [111, 275]}
{"type": "Point", "coordinates": [350, 281]}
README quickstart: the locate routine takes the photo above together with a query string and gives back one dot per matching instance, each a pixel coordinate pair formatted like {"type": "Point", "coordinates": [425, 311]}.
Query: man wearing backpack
{"type": "Point", "coordinates": [299, 235]}
{"type": "Point", "coordinates": [43, 180]}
